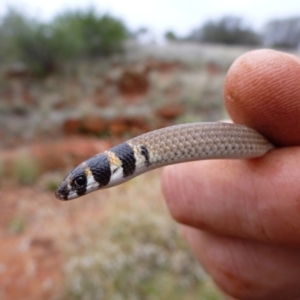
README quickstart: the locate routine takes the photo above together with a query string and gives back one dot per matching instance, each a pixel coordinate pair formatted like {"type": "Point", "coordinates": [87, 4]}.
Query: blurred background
{"type": "Point", "coordinates": [77, 77]}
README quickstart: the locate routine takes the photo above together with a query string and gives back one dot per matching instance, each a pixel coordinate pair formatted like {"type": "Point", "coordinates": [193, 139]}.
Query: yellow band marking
{"type": "Point", "coordinates": [113, 158]}
{"type": "Point", "coordinates": [88, 172]}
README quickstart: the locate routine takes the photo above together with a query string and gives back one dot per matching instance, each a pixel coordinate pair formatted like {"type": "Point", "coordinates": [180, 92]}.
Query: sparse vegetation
{"type": "Point", "coordinates": [53, 184]}
{"type": "Point", "coordinates": [25, 170]}
{"type": "Point", "coordinates": [137, 254]}
{"type": "Point", "coordinates": [17, 225]}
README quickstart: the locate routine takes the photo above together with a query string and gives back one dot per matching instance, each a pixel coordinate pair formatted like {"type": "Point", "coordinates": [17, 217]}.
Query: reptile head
{"type": "Point", "coordinates": [89, 176]}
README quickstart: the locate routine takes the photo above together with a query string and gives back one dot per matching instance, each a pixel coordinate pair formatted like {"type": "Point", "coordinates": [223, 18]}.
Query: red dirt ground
{"type": "Point", "coordinates": [34, 225]}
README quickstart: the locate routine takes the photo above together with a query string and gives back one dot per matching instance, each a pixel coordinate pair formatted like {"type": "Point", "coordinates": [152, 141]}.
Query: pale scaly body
{"type": "Point", "coordinates": [166, 146]}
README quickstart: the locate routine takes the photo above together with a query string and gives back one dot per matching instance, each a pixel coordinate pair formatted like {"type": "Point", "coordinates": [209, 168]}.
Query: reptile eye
{"type": "Point", "coordinates": [80, 181]}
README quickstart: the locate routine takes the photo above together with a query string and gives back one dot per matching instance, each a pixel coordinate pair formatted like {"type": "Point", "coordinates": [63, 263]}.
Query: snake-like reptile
{"type": "Point", "coordinates": [166, 146]}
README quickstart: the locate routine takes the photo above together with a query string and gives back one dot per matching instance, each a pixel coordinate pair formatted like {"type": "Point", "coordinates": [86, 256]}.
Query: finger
{"type": "Point", "coordinates": [246, 269]}
{"type": "Point", "coordinates": [256, 199]}
{"type": "Point", "coordinates": [262, 91]}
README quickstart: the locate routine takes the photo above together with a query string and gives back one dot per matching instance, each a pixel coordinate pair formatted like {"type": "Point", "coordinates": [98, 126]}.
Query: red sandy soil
{"type": "Point", "coordinates": [31, 255]}
{"type": "Point", "coordinates": [30, 260]}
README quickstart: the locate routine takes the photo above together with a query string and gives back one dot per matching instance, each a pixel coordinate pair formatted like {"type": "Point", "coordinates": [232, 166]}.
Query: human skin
{"type": "Point", "coordinates": [242, 217]}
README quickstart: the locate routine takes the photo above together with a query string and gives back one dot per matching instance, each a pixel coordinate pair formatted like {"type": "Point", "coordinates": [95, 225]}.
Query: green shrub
{"type": "Point", "coordinates": [12, 24]}
{"type": "Point", "coordinates": [44, 47]}
{"type": "Point", "coordinates": [29, 41]}
{"type": "Point", "coordinates": [90, 34]}
{"type": "Point", "coordinates": [37, 50]}
{"type": "Point", "coordinates": [228, 30]}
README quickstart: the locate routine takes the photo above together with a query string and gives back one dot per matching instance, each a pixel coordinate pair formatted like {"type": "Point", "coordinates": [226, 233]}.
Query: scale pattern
{"type": "Point", "coordinates": [197, 141]}
{"type": "Point", "coordinates": [166, 146]}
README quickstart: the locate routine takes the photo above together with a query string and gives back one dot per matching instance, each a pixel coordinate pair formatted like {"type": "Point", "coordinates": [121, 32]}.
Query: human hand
{"type": "Point", "coordinates": [242, 217]}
